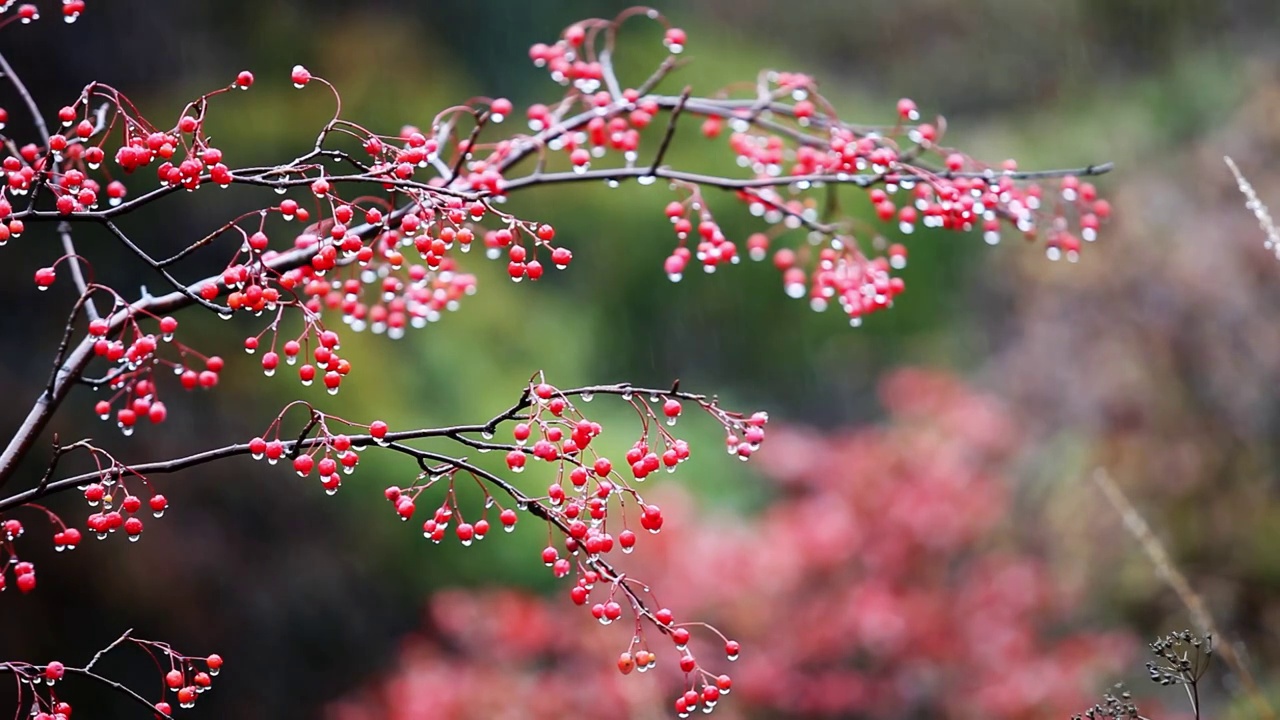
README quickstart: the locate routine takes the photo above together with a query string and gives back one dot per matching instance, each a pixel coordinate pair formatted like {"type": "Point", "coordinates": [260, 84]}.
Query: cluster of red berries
{"type": "Point", "coordinates": [188, 678]}
{"type": "Point", "coordinates": [556, 432]}
{"type": "Point", "coordinates": [330, 454]}
{"type": "Point", "coordinates": [27, 13]}
{"type": "Point", "coordinates": [567, 62]}
{"type": "Point", "coordinates": [25, 572]}
{"type": "Point", "coordinates": [793, 132]}
{"type": "Point", "coordinates": [135, 355]}
{"type": "Point", "coordinates": [114, 516]}
{"type": "Point", "coordinates": [187, 682]}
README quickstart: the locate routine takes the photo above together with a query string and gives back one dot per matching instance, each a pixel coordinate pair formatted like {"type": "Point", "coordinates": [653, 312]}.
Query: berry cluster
{"type": "Point", "coordinates": [883, 561]}
{"type": "Point", "coordinates": [27, 13]}
{"type": "Point", "coordinates": [135, 355]}
{"type": "Point", "coordinates": [187, 678]}
{"type": "Point", "coordinates": [329, 454]}
{"type": "Point", "coordinates": [592, 504]}
{"type": "Point", "coordinates": [793, 142]}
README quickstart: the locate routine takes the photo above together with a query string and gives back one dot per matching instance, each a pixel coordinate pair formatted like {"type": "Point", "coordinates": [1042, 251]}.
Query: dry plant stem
{"type": "Point", "coordinates": [1256, 206]}
{"type": "Point", "coordinates": [23, 670]}
{"type": "Point", "coordinates": [1169, 573]}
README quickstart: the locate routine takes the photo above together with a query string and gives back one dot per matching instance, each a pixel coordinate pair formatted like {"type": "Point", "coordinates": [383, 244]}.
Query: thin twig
{"type": "Point", "coordinates": [77, 273]}
{"type": "Point", "coordinates": [481, 119]}
{"type": "Point", "coordinates": [671, 130]}
{"type": "Point", "coordinates": [1173, 577]}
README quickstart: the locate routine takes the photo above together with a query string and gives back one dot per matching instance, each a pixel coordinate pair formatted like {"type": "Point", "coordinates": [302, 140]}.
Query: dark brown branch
{"type": "Point", "coordinates": [671, 130]}
{"type": "Point", "coordinates": [858, 180]}
{"type": "Point", "coordinates": [151, 262]}
{"type": "Point", "coordinates": [27, 100]}
{"type": "Point", "coordinates": [457, 433]}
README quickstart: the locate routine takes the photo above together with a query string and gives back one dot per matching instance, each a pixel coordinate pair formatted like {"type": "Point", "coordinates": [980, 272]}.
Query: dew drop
{"type": "Point", "coordinates": [586, 397]}
{"type": "Point", "coordinates": [134, 538]}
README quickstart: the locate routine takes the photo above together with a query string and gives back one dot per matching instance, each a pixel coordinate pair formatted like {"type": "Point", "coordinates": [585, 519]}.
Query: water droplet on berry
{"type": "Point", "coordinates": [134, 538]}
{"type": "Point", "coordinates": [509, 528]}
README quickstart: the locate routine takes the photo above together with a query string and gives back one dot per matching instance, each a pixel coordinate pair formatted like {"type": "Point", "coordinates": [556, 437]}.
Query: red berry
{"type": "Point", "coordinates": [680, 636]}
{"type": "Point", "coordinates": [515, 460]}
